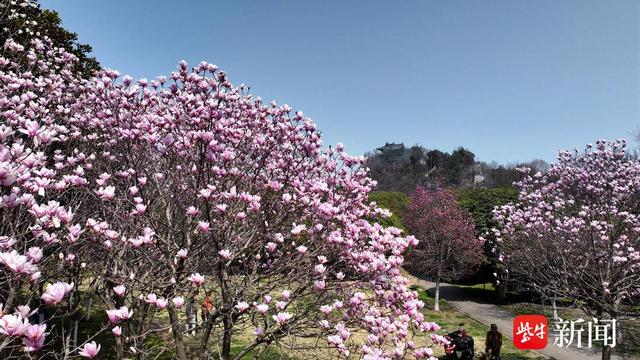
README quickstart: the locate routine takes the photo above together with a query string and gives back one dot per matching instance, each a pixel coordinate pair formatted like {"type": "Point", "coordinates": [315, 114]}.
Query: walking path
{"type": "Point", "coordinates": [488, 314]}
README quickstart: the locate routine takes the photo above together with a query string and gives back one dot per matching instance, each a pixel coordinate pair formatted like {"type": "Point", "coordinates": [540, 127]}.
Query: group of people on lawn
{"type": "Point", "coordinates": [461, 345]}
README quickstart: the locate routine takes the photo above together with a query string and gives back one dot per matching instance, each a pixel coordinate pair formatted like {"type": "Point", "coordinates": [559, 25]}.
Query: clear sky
{"type": "Point", "coordinates": [511, 80]}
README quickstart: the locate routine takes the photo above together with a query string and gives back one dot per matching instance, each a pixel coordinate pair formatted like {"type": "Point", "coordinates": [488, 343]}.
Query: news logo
{"type": "Point", "coordinates": [530, 332]}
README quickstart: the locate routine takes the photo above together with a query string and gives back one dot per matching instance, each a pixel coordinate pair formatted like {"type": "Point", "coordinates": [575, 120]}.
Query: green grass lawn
{"type": "Point", "coordinates": [486, 286]}
{"type": "Point", "coordinates": [449, 318]}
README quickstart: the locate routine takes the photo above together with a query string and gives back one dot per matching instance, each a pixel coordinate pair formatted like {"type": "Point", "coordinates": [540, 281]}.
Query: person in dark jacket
{"type": "Point", "coordinates": [462, 346]}
{"type": "Point", "coordinates": [191, 312]}
{"type": "Point", "coordinates": [493, 343]}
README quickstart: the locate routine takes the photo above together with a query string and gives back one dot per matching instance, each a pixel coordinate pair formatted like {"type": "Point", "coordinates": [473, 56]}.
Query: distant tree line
{"type": "Point", "coordinates": [479, 188]}
{"type": "Point", "coordinates": [418, 166]}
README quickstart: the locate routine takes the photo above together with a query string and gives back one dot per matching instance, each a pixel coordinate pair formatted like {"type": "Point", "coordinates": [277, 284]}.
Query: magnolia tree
{"type": "Point", "coordinates": [133, 198]}
{"type": "Point", "coordinates": [40, 165]}
{"type": "Point", "coordinates": [575, 232]}
{"type": "Point", "coordinates": [448, 247]}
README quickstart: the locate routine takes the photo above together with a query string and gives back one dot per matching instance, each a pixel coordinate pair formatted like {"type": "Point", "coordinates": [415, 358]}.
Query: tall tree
{"type": "Point", "coordinates": [580, 223]}
{"type": "Point", "coordinates": [25, 20]}
{"type": "Point", "coordinates": [480, 203]}
{"type": "Point", "coordinates": [143, 194]}
{"type": "Point", "coordinates": [448, 246]}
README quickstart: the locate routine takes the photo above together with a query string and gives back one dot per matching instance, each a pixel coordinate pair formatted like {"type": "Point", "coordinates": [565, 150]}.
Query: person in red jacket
{"type": "Point", "coordinates": [207, 307]}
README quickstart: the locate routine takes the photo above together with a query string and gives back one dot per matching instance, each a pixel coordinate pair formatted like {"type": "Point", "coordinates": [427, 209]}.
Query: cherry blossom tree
{"type": "Point", "coordinates": [133, 197]}
{"type": "Point", "coordinates": [448, 246]}
{"type": "Point", "coordinates": [574, 233]}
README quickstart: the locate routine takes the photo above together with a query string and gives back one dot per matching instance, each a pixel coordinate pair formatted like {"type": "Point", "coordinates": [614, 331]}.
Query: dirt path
{"type": "Point", "coordinates": [488, 313]}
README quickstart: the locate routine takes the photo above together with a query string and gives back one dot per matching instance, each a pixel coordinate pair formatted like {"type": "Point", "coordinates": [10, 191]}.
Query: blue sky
{"type": "Point", "coordinates": [511, 80]}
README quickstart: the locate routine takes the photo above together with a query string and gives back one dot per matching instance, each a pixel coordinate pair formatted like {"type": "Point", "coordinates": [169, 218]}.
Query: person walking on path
{"type": "Point", "coordinates": [493, 343]}
{"type": "Point", "coordinates": [192, 315]}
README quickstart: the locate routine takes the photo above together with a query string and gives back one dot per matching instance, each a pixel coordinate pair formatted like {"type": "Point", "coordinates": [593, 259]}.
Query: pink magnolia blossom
{"type": "Point", "coordinates": [89, 350]}
{"type": "Point", "coordinates": [54, 293]}
{"type": "Point", "coordinates": [120, 290]}
{"type": "Point", "coordinates": [151, 298]}
{"type": "Point", "coordinates": [13, 325]}
{"type": "Point", "coordinates": [161, 303]}
{"type": "Point", "coordinates": [203, 227]}
{"type": "Point", "coordinates": [24, 311]}
{"type": "Point", "coordinates": [34, 337]}
{"type": "Point", "coordinates": [121, 314]}
{"type": "Point", "coordinates": [106, 193]}
{"type": "Point", "coordinates": [7, 242]}
{"type": "Point", "coordinates": [242, 306]}
{"type": "Point", "coordinates": [182, 253]}
{"type": "Point", "coordinates": [35, 254]}
{"type": "Point", "coordinates": [258, 331]}
{"type": "Point", "coordinates": [282, 317]}
{"type": "Point", "coordinates": [192, 211]}
{"type": "Point", "coordinates": [319, 269]}
{"type": "Point", "coordinates": [197, 279]}
{"type": "Point", "coordinates": [225, 254]}
{"type": "Point", "coordinates": [262, 308]}
{"type": "Point", "coordinates": [320, 284]}
{"type": "Point", "coordinates": [35, 276]}
{"type": "Point", "coordinates": [16, 262]}
{"type": "Point", "coordinates": [280, 305]}
{"type": "Point", "coordinates": [326, 309]}
{"type": "Point", "coordinates": [178, 301]}
{"type": "Point", "coordinates": [271, 246]}
{"type": "Point", "coordinates": [117, 331]}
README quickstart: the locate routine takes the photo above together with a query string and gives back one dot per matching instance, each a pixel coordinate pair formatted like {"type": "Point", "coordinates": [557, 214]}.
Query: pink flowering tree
{"type": "Point", "coordinates": [146, 194]}
{"type": "Point", "coordinates": [41, 164]}
{"type": "Point", "coordinates": [448, 247]}
{"type": "Point", "coordinates": [575, 232]}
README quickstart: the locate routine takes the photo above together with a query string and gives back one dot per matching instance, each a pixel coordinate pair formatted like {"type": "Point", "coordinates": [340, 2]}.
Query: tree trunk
{"type": "Point", "coordinates": [606, 353]}
{"type": "Point", "coordinates": [436, 302]}
{"type": "Point", "coordinates": [119, 348]}
{"type": "Point", "coordinates": [75, 334]}
{"type": "Point", "coordinates": [89, 303]}
{"type": "Point", "coordinates": [207, 326]}
{"type": "Point", "coordinates": [502, 289]}
{"type": "Point", "coordinates": [177, 333]}
{"type": "Point", "coordinates": [613, 315]}
{"type": "Point", "coordinates": [555, 309]}
{"type": "Point", "coordinates": [226, 337]}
